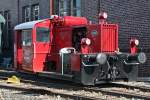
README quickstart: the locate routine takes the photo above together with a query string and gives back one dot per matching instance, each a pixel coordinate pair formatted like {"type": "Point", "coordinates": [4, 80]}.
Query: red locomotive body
{"type": "Point", "coordinates": [70, 48]}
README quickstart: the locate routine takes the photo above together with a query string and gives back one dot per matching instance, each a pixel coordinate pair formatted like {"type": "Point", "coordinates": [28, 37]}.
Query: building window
{"type": "Point", "coordinates": [35, 12]}
{"type": "Point", "coordinates": [1, 12]}
{"type": "Point", "coordinates": [26, 14]}
{"type": "Point", "coordinates": [7, 30]}
{"type": "Point", "coordinates": [2, 25]}
{"type": "Point", "coordinates": [70, 7]}
{"type": "Point", "coordinates": [64, 7]}
{"type": "Point", "coordinates": [76, 8]}
{"type": "Point", "coordinates": [31, 13]}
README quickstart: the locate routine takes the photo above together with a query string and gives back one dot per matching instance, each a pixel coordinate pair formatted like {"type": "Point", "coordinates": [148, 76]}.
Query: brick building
{"type": "Point", "coordinates": [19, 11]}
{"type": "Point", "coordinates": [131, 15]}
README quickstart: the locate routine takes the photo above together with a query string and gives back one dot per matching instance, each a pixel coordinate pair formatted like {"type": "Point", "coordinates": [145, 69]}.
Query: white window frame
{"type": "Point", "coordinates": [67, 7]}
{"type": "Point", "coordinates": [27, 13]}
{"type": "Point", "coordinates": [35, 9]}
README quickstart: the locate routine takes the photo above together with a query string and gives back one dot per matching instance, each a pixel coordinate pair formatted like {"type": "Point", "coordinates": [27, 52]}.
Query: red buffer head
{"type": "Point", "coordinates": [102, 17]}
{"type": "Point", "coordinates": [133, 46]}
{"type": "Point", "coordinates": [85, 45]}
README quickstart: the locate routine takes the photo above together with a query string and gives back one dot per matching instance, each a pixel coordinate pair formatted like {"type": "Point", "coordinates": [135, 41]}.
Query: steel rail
{"type": "Point", "coordinates": [142, 88]}
{"type": "Point", "coordinates": [119, 93]}
{"type": "Point", "coordinates": [48, 92]}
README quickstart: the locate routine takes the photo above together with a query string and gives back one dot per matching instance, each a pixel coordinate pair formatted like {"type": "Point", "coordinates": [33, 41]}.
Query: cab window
{"type": "Point", "coordinates": [26, 37]}
{"type": "Point", "coordinates": [42, 34]}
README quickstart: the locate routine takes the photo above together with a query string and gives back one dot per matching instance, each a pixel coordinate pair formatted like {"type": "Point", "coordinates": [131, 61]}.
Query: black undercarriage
{"type": "Point", "coordinates": [101, 68]}
{"type": "Point", "coordinates": [115, 68]}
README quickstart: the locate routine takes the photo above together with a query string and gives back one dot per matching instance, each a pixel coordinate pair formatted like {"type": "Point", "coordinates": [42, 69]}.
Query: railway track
{"type": "Point", "coordinates": [112, 89]}
{"type": "Point", "coordinates": [41, 89]}
{"type": "Point", "coordinates": [119, 93]}
{"type": "Point", "coordinates": [48, 92]}
{"type": "Point", "coordinates": [142, 88]}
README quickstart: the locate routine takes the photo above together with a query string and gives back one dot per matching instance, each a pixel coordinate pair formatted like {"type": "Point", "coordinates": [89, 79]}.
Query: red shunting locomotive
{"type": "Point", "coordinates": [71, 48]}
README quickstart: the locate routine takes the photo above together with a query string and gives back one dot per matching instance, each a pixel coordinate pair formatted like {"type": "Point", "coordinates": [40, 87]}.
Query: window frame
{"type": "Point", "coordinates": [48, 41]}
{"type": "Point", "coordinates": [71, 7]}
{"type": "Point", "coordinates": [34, 10]}
{"type": "Point", "coordinates": [25, 17]}
{"type": "Point", "coordinates": [22, 33]}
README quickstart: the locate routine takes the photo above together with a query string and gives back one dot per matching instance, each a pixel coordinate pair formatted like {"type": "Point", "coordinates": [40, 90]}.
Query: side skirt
{"type": "Point", "coordinates": [56, 75]}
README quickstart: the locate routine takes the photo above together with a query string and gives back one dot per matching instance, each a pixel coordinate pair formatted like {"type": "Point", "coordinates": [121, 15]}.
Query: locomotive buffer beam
{"type": "Point", "coordinates": [137, 59]}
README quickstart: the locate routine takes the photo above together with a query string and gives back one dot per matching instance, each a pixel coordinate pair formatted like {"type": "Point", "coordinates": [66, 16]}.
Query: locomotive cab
{"type": "Point", "coordinates": [32, 44]}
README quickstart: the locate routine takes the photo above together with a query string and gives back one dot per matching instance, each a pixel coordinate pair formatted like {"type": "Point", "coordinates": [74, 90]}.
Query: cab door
{"type": "Point", "coordinates": [27, 49]}
{"type": "Point", "coordinates": [42, 45]}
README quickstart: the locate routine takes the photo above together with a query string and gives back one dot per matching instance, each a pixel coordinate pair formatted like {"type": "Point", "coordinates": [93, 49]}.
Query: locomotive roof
{"type": "Point", "coordinates": [27, 25]}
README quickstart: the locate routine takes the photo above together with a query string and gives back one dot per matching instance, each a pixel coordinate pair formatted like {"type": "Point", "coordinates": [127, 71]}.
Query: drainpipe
{"type": "Point", "coordinates": [18, 11]}
{"type": "Point", "coordinates": [98, 8]}
{"type": "Point", "coordinates": [51, 7]}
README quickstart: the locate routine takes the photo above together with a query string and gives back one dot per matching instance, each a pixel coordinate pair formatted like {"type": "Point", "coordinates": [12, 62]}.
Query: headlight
{"type": "Point", "coordinates": [136, 42]}
{"type": "Point", "coordinates": [88, 41]}
{"type": "Point", "coordinates": [103, 15]}
{"type": "Point", "coordinates": [85, 41]}
{"type": "Point", "coordinates": [101, 58]}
